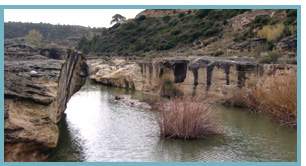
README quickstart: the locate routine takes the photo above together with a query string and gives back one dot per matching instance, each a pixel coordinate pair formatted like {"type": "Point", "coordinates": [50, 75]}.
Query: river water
{"type": "Point", "coordinates": [98, 129]}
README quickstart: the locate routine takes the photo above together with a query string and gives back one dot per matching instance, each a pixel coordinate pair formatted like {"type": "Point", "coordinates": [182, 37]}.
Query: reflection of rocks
{"type": "Point", "coordinates": [36, 92]}
{"type": "Point", "coordinates": [128, 101]}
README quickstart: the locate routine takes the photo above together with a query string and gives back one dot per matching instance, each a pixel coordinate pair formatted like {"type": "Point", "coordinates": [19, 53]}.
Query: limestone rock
{"type": "Point", "coordinates": [35, 101]}
{"type": "Point", "coordinates": [117, 73]}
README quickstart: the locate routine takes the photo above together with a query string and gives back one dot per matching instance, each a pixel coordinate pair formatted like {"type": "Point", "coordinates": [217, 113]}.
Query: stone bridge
{"type": "Point", "coordinates": [195, 76]}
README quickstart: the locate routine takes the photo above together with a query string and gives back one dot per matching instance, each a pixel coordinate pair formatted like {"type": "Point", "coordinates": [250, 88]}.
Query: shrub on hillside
{"type": "Point", "coordinates": [271, 32]}
{"type": "Point", "coordinates": [269, 57]}
{"type": "Point", "coordinates": [34, 38]}
{"type": "Point", "coordinates": [291, 17]}
{"type": "Point", "coordinates": [166, 18]}
{"type": "Point", "coordinates": [261, 20]}
{"type": "Point", "coordinates": [202, 13]}
{"type": "Point", "coordinates": [180, 15]}
{"type": "Point", "coordinates": [141, 18]}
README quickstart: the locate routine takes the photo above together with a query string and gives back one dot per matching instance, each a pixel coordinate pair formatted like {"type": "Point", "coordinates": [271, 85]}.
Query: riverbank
{"type": "Point", "coordinates": [231, 81]}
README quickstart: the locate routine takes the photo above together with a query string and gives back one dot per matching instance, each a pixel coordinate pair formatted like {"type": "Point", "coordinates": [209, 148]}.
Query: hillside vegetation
{"type": "Point", "coordinates": [63, 35]}
{"type": "Point", "coordinates": [147, 33]}
{"type": "Point", "coordinates": [49, 31]}
{"type": "Point", "coordinates": [269, 36]}
{"type": "Point", "coordinates": [210, 32]}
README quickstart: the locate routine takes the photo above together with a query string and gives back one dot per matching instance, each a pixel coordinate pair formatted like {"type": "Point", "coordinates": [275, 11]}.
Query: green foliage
{"type": "Point", "coordinates": [84, 45]}
{"type": "Point", "coordinates": [145, 33]}
{"type": "Point", "coordinates": [34, 38]}
{"type": "Point", "coordinates": [269, 45]}
{"type": "Point", "coordinates": [261, 20]}
{"type": "Point", "coordinates": [291, 17]}
{"type": "Point", "coordinates": [166, 18]}
{"type": "Point", "coordinates": [165, 45]}
{"type": "Point", "coordinates": [180, 15]}
{"type": "Point", "coordinates": [117, 18]}
{"type": "Point", "coordinates": [151, 33]}
{"type": "Point", "coordinates": [270, 57]}
{"type": "Point", "coordinates": [140, 18]}
{"type": "Point", "coordinates": [203, 12]}
{"type": "Point", "coordinates": [270, 28]}
{"type": "Point", "coordinates": [49, 32]}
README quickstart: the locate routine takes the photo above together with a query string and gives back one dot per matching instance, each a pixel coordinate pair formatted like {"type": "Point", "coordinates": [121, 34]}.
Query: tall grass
{"type": "Point", "coordinates": [186, 118]}
{"type": "Point", "coordinates": [276, 95]}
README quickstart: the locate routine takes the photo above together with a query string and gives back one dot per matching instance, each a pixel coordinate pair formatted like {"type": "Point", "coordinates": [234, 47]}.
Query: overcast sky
{"type": "Point", "coordinates": [84, 17]}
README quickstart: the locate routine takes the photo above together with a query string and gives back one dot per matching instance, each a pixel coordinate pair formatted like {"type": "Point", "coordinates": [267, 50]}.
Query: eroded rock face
{"type": "Point", "coordinates": [36, 93]}
{"type": "Point", "coordinates": [72, 77]}
{"type": "Point", "coordinates": [117, 73]}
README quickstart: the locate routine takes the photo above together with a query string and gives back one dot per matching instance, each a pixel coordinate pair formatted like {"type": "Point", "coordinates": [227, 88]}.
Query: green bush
{"type": "Point", "coordinates": [291, 17]}
{"type": "Point", "coordinates": [203, 12]}
{"type": "Point", "coordinates": [166, 18]}
{"type": "Point", "coordinates": [180, 15]}
{"type": "Point", "coordinates": [173, 22]}
{"type": "Point", "coordinates": [270, 57]}
{"type": "Point", "coordinates": [141, 18]}
{"type": "Point", "coordinates": [261, 20]}
{"type": "Point", "coordinates": [165, 45]}
{"type": "Point", "coordinates": [175, 32]}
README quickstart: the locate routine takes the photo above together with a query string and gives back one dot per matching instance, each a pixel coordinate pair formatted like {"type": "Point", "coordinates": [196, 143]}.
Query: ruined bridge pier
{"type": "Point", "coordinates": [202, 75]}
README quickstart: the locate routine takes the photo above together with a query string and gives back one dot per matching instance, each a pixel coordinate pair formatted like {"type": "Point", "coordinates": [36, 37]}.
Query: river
{"type": "Point", "coordinates": [98, 129]}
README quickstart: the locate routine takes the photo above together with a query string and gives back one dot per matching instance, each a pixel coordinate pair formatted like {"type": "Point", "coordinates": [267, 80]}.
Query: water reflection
{"type": "Point", "coordinates": [98, 129]}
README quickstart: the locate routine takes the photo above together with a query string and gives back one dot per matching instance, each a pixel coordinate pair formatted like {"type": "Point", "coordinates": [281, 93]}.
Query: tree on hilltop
{"type": "Point", "coordinates": [117, 18]}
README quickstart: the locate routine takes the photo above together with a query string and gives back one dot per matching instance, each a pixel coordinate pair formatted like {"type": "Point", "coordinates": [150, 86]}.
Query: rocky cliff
{"type": "Point", "coordinates": [37, 88]}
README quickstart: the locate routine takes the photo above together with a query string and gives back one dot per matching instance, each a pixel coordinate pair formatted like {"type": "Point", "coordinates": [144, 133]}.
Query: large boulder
{"type": "Point", "coordinates": [117, 73]}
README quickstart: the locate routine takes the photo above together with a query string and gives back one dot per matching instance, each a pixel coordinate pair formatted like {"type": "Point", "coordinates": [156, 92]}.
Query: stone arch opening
{"type": "Point", "coordinates": [180, 70]}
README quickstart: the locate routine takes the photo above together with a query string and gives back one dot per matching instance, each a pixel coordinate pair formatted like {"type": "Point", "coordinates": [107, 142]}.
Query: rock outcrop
{"type": "Point", "coordinates": [117, 73]}
{"type": "Point", "coordinates": [36, 93]}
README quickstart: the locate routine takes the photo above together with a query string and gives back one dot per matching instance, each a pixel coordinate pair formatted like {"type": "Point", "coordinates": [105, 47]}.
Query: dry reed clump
{"type": "Point", "coordinates": [236, 98]}
{"type": "Point", "coordinates": [277, 95]}
{"type": "Point", "coordinates": [186, 118]}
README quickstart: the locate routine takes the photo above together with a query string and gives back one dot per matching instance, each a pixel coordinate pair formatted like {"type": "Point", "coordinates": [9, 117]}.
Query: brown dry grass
{"type": "Point", "coordinates": [272, 32]}
{"type": "Point", "coordinates": [186, 118]}
{"type": "Point", "coordinates": [277, 95]}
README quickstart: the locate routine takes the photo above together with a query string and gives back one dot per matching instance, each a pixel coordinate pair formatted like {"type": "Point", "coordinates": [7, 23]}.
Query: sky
{"type": "Point", "coordinates": [83, 17]}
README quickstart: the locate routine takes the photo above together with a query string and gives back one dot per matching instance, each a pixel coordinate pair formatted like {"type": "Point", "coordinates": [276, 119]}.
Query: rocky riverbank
{"type": "Point", "coordinates": [174, 76]}
{"type": "Point", "coordinates": [38, 84]}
